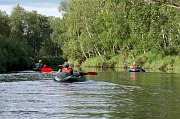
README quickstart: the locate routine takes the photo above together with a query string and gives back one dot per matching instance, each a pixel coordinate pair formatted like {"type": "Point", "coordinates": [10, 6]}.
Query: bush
{"type": "Point", "coordinates": [14, 55]}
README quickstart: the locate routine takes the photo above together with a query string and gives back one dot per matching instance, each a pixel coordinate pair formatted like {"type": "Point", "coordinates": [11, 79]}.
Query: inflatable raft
{"type": "Point", "coordinates": [136, 70]}
{"type": "Point", "coordinates": [64, 77]}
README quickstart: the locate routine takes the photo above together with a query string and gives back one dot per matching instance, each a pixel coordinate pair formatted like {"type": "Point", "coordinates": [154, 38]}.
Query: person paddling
{"type": "Point", "coordinates": [38, 65]}
{"type": "Point", "coordinates": [134, 65]}
{"type": "Point", "coordinates": [66, 69]}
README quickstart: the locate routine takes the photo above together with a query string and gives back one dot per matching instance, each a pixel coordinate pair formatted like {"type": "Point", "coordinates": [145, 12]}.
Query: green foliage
{"type": "Point", "coordinates": [14, 55]}
{"type": "Point", "coordinates": [116, 61]}
{"type": "Point", "coordinates": [34, 30]}
{"type": "Point", "coordinates": [74, 62]}
{"type": "Point", "coordinates": [163, 63]}
{"type": "Point", "coordinates": [96, 30]}
{"type": "Point", "coordinates": [25, 34]}
{"type": "Point", "coordinates": [52, 61]}
{"type": "Point", "coordinates": [107, 28]}
{"type": "Point", "coordinates": [4, 24]}
{"type": "Point", "coordinates": [17, 23]}
{"type": "Point", "coordinates": [96, 61]}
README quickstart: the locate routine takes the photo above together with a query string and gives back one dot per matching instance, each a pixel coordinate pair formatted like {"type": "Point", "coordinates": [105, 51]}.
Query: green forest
{"type": "Point", "coordinates": [94, 33]}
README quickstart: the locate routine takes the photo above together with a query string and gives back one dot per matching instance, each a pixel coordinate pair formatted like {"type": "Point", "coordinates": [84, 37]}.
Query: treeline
{"type": "Point", "coordinates": [130, 28]}
{"type": "Point", "coordinates": [104, 29]}
{"type": "Point", "coordinates": [25, 34]}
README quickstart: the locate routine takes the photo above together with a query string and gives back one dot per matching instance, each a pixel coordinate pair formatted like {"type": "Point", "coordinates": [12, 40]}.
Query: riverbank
{"type": "Point", "coordinates": [157, 62]}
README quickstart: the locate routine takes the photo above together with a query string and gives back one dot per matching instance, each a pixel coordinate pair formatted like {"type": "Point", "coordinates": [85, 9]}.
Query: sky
{"type": "Point", "coordinates": [44, 7]}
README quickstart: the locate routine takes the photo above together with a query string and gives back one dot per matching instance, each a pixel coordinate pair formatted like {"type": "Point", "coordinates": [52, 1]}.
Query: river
{"type": "Point", "coordinates": [108, 95]}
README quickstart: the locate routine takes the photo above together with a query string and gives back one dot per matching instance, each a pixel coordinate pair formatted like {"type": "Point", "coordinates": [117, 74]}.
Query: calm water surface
{"type": "Point", "coordinates": [109, 95]}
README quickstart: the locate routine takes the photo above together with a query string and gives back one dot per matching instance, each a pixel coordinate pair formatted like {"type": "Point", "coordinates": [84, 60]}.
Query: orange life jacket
{"type": "Point", "coordinates": [133, 66]}
{"type": "Point", "coordinates": [67, 70]}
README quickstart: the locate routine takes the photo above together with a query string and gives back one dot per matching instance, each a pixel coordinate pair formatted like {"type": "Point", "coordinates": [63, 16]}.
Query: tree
{"type": "Point", "coordinates": [17, 23]}
{"type": "Point", "coordinates": [105, 28]}
{"type": "Point", "coordinates": [4, 24]}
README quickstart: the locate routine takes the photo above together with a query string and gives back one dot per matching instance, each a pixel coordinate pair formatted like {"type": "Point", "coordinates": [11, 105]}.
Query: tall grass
{"type": "Point", "coordinates": [148, 61]}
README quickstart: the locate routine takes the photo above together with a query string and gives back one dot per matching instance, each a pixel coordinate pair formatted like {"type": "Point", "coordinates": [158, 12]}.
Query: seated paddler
{"type": "Point", "coordinates": [134, 65]}
{"type": "Point", "coordinates": [66, 69]}
{"type": "Point", "coordinates": [38, 66]}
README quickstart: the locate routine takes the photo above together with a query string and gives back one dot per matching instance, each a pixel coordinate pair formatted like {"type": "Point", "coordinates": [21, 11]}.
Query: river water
{"type": "Point", "coordinates": [108, 95]}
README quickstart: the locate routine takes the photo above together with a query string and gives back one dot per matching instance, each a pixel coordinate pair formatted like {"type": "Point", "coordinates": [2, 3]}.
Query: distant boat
{"type": "Point", "coordinates": [136, 70]}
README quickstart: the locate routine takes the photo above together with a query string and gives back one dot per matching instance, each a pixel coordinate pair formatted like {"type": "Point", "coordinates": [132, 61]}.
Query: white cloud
{"type": "Point", "coordinates": [44, 9]}
{"type": "Point", "coordinates": [6, 8]}
{"type": "Point", "coordinates": [51, 11]}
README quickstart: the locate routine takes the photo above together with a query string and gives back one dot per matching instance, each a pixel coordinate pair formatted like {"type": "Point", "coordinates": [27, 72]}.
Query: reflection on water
{"type": "Point", "coordinates": [107, 95]}
{"type": "Point", "coordinates": [47, 99]}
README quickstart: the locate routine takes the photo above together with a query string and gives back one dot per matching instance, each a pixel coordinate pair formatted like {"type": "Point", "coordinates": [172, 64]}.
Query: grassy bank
{"type": "Point", "coordinates": [150, 62]}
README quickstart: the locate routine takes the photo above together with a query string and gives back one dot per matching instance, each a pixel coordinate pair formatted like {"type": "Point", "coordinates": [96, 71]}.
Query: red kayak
{"type": "Point", "coordinates": [44, 69]}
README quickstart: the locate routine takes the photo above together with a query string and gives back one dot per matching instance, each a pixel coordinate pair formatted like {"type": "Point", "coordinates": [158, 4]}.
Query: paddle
{"type": "Point", "coordinates": [143, 70]}
{"type": "Point", "coordinates": [44, 69]}
{"type": "Point", "coordinates": [88, 73]}
{"type": "Point", "coordinates": [31, 58]}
